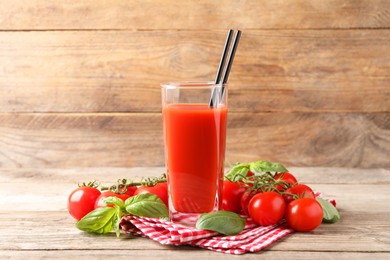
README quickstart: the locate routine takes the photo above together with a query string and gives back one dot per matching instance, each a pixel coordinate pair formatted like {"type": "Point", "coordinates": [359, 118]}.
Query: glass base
{"type": "Point", "coordinates": [187, 219]}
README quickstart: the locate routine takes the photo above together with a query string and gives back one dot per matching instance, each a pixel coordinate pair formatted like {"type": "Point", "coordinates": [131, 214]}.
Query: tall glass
{"type": "Point", "coordinates": [194, 141]}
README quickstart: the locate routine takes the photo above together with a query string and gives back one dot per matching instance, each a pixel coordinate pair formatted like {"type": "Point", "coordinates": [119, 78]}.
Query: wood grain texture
{"type": "Point", "coordinates": [45, 227]}
{"type": "Point", "coordinates": [130, 139]}
{"type": "Point", "coordinates": [120, 71]}
{"type": "Point", "coordinates": [53, 197]}
{"type": "Point", "coordinates": [193, 15]}
{"type": "Point", "coordinates": [48, 230]}
{"type": "Point", "coordinates": [29, 140]}
{"type": "Point", "coordinates": [187, 253]}
{"type": "Point", "coordinates": [79, 80]}
{"type": "Point", "coordinates": [310, 139]}
{"type": "Point", "coordinates": [107, 175]}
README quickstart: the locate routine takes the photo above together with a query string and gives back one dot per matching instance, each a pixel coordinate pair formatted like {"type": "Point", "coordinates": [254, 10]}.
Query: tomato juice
{"type": "Point", "coordinates": [195, 140]}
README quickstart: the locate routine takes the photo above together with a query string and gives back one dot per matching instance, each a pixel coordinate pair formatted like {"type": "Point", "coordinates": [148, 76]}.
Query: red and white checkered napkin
{"type": "Point", "coordinates": [252, 239]}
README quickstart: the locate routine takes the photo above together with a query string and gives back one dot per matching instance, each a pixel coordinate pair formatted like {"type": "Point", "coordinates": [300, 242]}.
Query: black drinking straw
{"type": "Point", "coordinates": [231, 57]}
{"type": "Point", "coordinates": [223, 57]}
{"type": "Point", "coordinates": [214, 100]}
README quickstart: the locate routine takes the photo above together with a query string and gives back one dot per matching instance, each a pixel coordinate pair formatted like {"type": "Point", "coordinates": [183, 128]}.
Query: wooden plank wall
{"type": "Point", "coordinates": [79, 80]}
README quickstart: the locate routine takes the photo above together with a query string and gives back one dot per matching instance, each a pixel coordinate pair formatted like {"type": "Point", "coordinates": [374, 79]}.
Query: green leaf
{"type": "Point", "coordinates": [101, 220]}
{"type": "Point", "coordinates": [331, 214]}
{"type": "Point", "coordinates": [224, 222]}
{"type": "Point", "coordinates": [119, 206]}
{"type": "Point", "coordinates": [146, 205]}
{"type": "Point", "coordinates": [238, 172]}
{"type": "Point", "coordinates": [117, 219]}
{"type": "Point", "coordinates": [115, 201]}
{"type": "Point", "coordinates": [265, 166]}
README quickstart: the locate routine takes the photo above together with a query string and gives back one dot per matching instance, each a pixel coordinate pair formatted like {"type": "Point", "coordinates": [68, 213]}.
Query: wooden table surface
{"type": "Point", "coordinates": [35, 222]}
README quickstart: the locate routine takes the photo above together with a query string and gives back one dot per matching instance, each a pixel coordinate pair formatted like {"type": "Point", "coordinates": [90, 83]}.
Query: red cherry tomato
{"type": "Point", "coordinates": [286, 177]}
{"type": "Point", "coordinates": [160, 189]}
{"type": "Point", "coordinates": [100, 200]}
{"type": "Point", "coordinates": [81, 201]}
{"type": "Point", "coordinates": [130, 190]}
{"type": "Point", "coordinates": [304, 214]}
{"type": "Point", "coordinates": [231, 195]}
{"type": "Point", "coordinates": [301, 190]}
{"type": "Point", "coordinates": [245, 199]}
{"type": "Point", "coordinates": [267, 208]}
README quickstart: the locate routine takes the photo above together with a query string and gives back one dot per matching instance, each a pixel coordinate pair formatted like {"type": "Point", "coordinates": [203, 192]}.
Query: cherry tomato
{"type": "Point", "coordinates": [304, 214]}
{"type": "Point", "coordinates": [301, 190]}
{"type": "Point", "coordinates": [267, 208]}
{"type": "Point", "coordinates": [160, 189]}
{"type": "Point", "coordinates": [231, 195]}
{"type": "Point", "coordinates": [245, 199]}
{"type": "Point", "coordinates": [81, 201]}
{"type": "Point", "coordinates": [130, 190]}
{"type": "Point", "coordinates": [100, 200]}
{"type": "Point", "coordinates": [286, 177]}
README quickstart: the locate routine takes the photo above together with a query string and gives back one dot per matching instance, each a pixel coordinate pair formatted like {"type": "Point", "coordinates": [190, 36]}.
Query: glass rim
{"type": "Point", "coordinates": [189, 84]}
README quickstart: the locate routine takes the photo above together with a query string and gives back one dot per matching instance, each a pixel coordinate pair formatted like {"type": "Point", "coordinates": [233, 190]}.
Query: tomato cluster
{"type": "Point", "coordinates": [281, 197]}
{"type": "Point", "coordinates": [265, 198]}
{"type": "Point", "coordinates": [86, 198]}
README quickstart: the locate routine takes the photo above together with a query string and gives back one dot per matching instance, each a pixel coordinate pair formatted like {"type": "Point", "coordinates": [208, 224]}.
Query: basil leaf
{"type": "Point", "coordinates": [331, 214]}
{"type": "Point", "coordinates": [119, 206]}
{"type": "Point", "coordinates": [265, 166]}
{"type": "Point", "coordinates": [115, 201]}
{"type": "Point", "coordinates": [224, 222]}
{"type": "Point", "coordinates": [238, 172]}
{"type": "Point", "coordinates": [101, 221]}
{"type": "Point", "coordinates": [117, 219]}
{"type": "Point", "coordinates": [146, 205]}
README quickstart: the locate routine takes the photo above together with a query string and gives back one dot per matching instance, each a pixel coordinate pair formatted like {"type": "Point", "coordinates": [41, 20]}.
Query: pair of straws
{"type": "Point", "coordinates": [223, 72]}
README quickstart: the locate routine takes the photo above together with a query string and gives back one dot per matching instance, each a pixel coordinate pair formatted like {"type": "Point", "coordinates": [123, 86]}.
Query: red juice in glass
{"type": "Point", "coordinates": [195, 140]}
